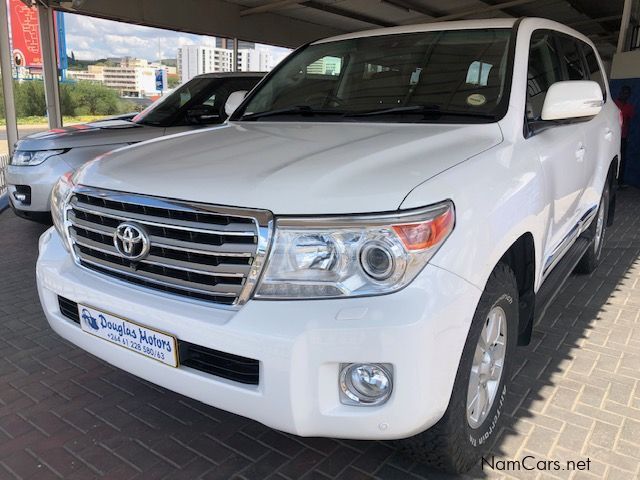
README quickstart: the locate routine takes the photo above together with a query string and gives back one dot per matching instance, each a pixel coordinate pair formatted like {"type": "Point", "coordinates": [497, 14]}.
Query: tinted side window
{"type": "Point", "coordinates": [572, 58]}
{"type": "Point", "coordinates": [543, 71]}
{"type": "Point", "coordinates": [595, 73]}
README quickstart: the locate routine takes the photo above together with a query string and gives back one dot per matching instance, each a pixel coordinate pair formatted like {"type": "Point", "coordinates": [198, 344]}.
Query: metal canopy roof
{"type": "Point", "coordinates": [293, 22]}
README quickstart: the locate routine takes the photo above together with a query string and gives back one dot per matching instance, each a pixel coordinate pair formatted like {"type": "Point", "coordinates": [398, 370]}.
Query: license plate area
{"type": "Point", "coordinates": [130, 335]}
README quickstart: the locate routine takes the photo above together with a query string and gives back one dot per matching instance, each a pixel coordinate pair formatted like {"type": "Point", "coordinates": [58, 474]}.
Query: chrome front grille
{"type": "Point", "coordinates": [205, 252]}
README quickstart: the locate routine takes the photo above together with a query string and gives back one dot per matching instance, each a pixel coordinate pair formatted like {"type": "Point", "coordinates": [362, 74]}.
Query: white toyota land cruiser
{"type": "Point", "coordinates": [359, 251]}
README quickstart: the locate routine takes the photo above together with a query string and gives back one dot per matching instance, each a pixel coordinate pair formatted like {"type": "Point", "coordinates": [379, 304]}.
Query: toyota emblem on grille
{"type": "Point", "coordinates": [132, 241]}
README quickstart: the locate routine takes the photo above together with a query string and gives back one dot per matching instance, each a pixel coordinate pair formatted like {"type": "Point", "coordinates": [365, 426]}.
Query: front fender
{"type": "Point", "coordinates": [498, 195]}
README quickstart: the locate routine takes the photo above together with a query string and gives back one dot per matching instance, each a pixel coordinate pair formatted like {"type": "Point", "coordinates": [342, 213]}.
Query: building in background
{"type": "Point", "coordinates": [256, 60]}
{"type": "Point", "coordinates": [195, 60]}
{"type": "Point", "coordinates": [325, 66]}
{"type": "Point", "coordinates": [228, 44]}
{"type": "Point", "coordinates": [134, 77]}
{"type": "Point", "coordinates": [94, 73]}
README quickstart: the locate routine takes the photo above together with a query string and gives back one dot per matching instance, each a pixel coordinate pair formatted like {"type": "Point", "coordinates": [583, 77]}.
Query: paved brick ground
{"type": "Point", "coordinates": [64, 414]}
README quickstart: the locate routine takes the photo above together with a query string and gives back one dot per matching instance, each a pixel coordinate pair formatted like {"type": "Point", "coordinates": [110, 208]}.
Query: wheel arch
{"type": "Point", "coordinates": [520, 257]}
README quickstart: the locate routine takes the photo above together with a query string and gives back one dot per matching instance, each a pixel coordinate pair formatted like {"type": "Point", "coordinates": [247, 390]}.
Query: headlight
{"type": "Point", "coordinates": [25, 157]}
{"type": "Point", "coordinates": [352, 255]}
{"type": "Point", "coordinates": [59, 198]}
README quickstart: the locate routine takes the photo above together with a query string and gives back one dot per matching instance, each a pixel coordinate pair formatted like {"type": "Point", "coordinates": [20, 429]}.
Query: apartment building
{"type": "Point", "coordinates": [134, 77]}
{"type": "Point", "coordinates": [194, 60]}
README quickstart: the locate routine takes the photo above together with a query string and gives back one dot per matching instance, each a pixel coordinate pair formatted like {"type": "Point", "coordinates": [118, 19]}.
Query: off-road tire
{"type": "Point", "coordinates": [452, 445]}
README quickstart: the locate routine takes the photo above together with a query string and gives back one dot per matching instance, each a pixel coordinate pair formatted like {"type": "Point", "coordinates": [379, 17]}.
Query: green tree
{"type": "Point", "coordinates": [67, 103]}
{"type": "Point", "coordinates": [30, 99]}
{"type": "Point", "coordinates": [81, 98]}
{"type": "Point", "coordinates": [173, 81]}
{"type": "Point", "coordinates": [94, 99]}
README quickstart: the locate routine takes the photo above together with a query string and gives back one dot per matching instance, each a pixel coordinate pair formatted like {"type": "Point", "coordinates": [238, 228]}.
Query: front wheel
{"type": "Point", "coordinates": [469, 425]}
{"type": "Point", "coordinates": [590, 260]}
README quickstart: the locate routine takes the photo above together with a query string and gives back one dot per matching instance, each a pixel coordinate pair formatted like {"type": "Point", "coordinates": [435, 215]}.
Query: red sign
{"type": "Point", "coordinates": [25, 35]}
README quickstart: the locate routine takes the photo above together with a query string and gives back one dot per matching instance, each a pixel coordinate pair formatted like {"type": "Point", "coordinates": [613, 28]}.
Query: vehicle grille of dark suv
{"type": "Point", "coordinates": [204, 252]}
{"type": "Point", "coordinates": [221, 364]}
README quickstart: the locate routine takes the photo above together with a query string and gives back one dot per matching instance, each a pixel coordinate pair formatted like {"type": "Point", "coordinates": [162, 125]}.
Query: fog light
{"type": "Point", "coordinates": [365, 384]}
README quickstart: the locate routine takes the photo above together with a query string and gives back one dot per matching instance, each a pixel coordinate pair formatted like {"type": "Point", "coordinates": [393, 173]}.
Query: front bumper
{"type": "Point", "coordinates": [421, 330]}
{"type": "Point", "coordinates": [40, 178]}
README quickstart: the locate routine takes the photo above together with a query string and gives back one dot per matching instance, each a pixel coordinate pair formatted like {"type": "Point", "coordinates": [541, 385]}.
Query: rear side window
{"type": "Point", "coordinates": [543, 71]}
{"type": "Point", "coordinates": [595, 73]}
{"type": "Point", "coordinates": [572, 58]}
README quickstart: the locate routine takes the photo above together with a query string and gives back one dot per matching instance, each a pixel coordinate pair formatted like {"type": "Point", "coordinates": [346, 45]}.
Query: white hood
{"type": "Point", "coordinates": [292, 168]}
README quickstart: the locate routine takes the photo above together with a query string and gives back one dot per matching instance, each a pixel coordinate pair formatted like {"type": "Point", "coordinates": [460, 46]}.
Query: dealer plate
{"type": "Point", "coordinates": [145, 341]}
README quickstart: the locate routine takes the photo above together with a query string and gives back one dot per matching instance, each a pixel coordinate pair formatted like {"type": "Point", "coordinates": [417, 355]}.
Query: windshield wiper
{"type": "Point", "coordinates": [421, 110]}
{"type": "Point", "coordinates": [304, 110]}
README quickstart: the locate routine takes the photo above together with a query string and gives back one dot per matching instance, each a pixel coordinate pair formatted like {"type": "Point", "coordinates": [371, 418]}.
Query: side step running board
{"type": "Point", "coordinates": [556, 278]}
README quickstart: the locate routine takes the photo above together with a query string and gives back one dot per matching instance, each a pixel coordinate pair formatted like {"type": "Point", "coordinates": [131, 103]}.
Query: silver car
{"type": "Point", "coordinates": [40, 159]}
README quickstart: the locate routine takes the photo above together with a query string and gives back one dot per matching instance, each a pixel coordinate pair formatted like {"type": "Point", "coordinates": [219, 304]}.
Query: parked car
{"type": "Point", "coordinates": [40, 159]}
{"type": "Point", "coordinates": [360, 250]}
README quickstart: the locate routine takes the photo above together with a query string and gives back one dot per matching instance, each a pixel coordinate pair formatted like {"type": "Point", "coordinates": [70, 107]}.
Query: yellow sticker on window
{"type": "Point", "coordinates": [476, 99]}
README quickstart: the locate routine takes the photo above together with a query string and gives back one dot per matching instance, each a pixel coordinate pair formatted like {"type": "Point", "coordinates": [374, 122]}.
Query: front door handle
{"type": "Point", "coordinates": [608, 135]}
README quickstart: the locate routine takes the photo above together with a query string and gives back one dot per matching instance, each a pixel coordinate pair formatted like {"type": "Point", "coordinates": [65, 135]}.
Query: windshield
{"type": "Point", "coordinates": [450, 75]}
{"type": "Point", "coordinates": [207, 95]}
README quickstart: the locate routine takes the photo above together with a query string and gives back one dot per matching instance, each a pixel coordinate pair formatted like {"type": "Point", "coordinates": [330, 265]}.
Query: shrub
{"type": "Point", "coordinates": [81, 98]}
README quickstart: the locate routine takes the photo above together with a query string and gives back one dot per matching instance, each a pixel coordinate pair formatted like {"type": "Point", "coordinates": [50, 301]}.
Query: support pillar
{"type": "Point", "coordinates": [50, 66]}
{"type": "Point", "coordinates": [7, 78]}
{"type": "Point", "coordinates": [624, 26]}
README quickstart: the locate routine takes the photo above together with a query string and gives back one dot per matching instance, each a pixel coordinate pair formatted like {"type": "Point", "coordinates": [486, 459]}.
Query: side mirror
{"type": "Point", "coordinates": [572, 99]}
{"type": "Point", "coordinates": [233, 101]}
{"type": "Point", "coordinates": [203, 114]}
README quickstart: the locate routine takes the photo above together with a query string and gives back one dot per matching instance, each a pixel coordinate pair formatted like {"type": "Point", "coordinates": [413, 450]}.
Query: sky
{"type": "Point", "coordinates": [93, 38]}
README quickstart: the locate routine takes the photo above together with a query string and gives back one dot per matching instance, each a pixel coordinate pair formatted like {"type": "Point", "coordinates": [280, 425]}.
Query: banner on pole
{"type": "Point", "coordinates": [25, 35]}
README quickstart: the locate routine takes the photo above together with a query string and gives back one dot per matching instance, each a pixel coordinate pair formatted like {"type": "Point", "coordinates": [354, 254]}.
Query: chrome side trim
{"type": "Point", "coordinates": [569, 239]}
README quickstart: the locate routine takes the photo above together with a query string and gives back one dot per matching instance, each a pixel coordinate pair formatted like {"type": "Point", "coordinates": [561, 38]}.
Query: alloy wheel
{"type": "Point", "coordinates": [487, 367]}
